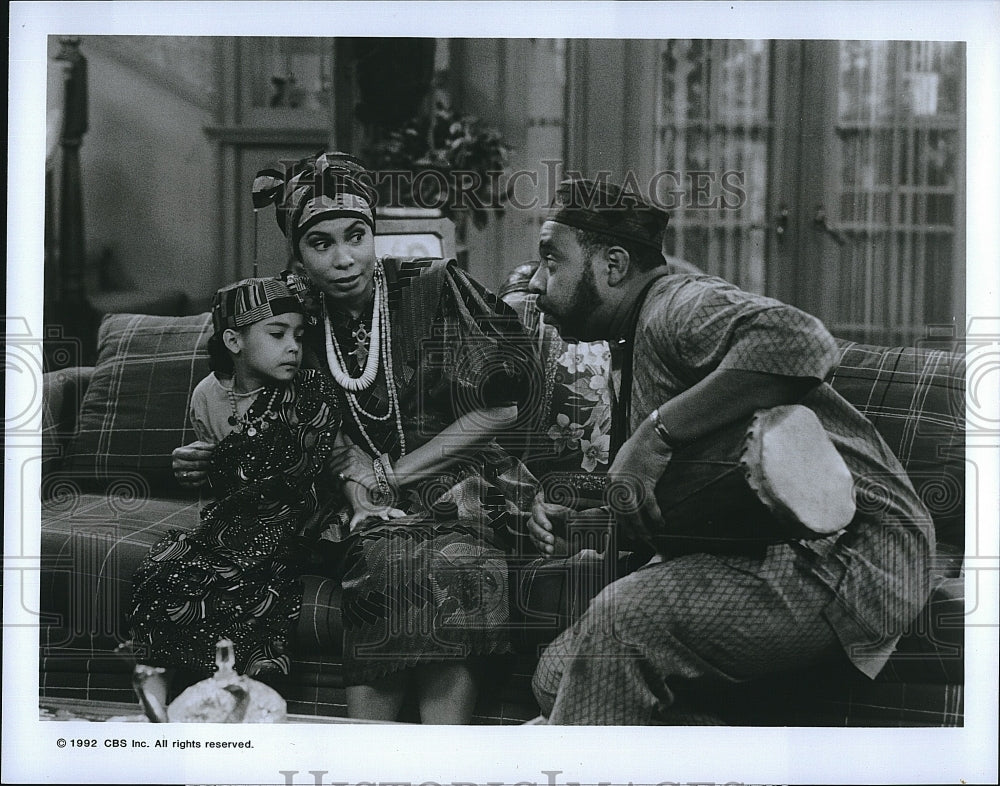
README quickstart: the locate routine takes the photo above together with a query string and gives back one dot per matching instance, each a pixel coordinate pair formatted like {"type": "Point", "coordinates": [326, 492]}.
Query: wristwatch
{"type": "Point", "coordinates": [662, 431]}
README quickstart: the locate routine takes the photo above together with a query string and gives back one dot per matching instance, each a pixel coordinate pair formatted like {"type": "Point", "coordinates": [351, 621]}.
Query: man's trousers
{"type": "Point", "coordinates": [654, 641]}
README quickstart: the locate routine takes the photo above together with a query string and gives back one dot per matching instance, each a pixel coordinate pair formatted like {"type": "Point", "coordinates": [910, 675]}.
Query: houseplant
{"type": "Point", "coordinates": [442, 160]}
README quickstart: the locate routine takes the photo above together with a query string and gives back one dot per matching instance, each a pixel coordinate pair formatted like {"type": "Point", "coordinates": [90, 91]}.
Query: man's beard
{"type": "Point", "coordinates": [576, 323]}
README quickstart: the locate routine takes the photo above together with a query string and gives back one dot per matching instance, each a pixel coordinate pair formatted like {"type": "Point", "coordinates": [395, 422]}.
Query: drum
{"type": "Point", "coordinates": [777, 477]}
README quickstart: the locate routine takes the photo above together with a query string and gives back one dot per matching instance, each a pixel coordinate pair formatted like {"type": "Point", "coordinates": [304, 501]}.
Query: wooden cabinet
{"type": "Point", "coordinates": [277, 104]}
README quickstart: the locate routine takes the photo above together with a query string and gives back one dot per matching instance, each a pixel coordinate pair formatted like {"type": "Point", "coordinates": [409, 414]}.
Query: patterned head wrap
{"type": "Point", "coordinates": [252, 300]}
{"type": "Point", "coordinates": [607, 209]}
{"type": "Point", "coordinates": [331, 185]}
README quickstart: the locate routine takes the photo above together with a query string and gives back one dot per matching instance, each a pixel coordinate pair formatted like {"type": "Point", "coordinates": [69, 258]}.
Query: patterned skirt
{"type": "Point", "coordinates": [418, 590]}
{"type": "Point", "coordinates": [187, 596]}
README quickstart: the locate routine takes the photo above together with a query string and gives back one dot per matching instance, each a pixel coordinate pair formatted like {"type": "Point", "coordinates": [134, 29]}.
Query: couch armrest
{"type": "Point", "coordinates": [62, 395]}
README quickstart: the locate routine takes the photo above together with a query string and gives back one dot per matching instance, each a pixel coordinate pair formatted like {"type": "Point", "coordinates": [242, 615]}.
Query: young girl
{"type": "Point", "coordinates": [235, 576]}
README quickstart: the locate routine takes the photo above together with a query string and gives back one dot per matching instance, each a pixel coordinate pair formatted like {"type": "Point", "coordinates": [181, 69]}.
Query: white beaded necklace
{"type": "Point", "coordinates": [336, 362]}
{"type": "Point", "coordinates": [380, 344]}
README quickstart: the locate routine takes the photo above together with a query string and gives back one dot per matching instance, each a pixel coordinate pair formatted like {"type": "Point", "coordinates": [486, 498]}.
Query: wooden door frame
{"type": "Point", "coordinates": [782, 270]}
{"type": "Point", "coordinates": [610, 85]}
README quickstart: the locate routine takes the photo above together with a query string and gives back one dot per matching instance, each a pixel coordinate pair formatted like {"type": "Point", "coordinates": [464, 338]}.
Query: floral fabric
{"type": "Point", "coordinates": [570, 451]}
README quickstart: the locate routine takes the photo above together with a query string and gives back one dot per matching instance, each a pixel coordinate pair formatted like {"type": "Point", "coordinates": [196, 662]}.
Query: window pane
{"type": "Point", "coordinates": [898, 201]}
{"type": "Point", "coordinates": [714, 131]}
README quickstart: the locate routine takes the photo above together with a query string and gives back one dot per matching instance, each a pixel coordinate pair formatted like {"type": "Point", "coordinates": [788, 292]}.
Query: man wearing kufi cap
{"type": "Point", "coordinates": [692, 354]}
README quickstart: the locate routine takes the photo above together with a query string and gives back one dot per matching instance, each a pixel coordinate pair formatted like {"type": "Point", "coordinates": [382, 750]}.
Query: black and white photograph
{"type": "Point", "coordinates": [486, 393]}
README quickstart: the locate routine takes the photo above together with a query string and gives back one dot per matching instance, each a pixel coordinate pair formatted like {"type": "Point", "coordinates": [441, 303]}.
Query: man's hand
{"type": "Point", "coordinates": [632, 479]}
{"type": "Point", "coordinates": [559, 531]}
{"type": "Point", "coordinates": [192, 462]}
{"type": "Point", "coordinates": [546, 519]}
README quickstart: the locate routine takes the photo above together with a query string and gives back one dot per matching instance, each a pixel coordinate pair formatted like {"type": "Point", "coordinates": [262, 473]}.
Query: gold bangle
{"type": "Point", "coordinates": [662, 431]}
{"type": "Point", "coordinates": [380, 478]}
{"type": "Point", "coordinates": [387, 492]}
{"type": "Point", "coordinates": [390, 472]}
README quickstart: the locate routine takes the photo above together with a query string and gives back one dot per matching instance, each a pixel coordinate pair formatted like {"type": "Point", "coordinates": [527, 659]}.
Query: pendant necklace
{"type": "Point", "coordinates": [261, 422]}
{"type": "Point", "coordinates": [361, 349]}
{"type": "Point", "coordinates": [370, 368]}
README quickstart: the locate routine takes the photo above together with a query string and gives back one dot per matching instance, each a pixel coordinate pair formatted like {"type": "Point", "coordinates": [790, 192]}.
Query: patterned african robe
{"type": "Point", "coordinates": [237, 575]}
{"type": "Point", "coordinates": [433, 585]}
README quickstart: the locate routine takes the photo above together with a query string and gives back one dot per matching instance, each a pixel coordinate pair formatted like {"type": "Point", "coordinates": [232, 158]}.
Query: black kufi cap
{"type": "Point", "coordinates": [607, 209]}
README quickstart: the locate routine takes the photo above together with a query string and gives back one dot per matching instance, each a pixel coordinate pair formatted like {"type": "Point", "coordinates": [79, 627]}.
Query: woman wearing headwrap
{"type": "Point", "coordinates": [429, 367]}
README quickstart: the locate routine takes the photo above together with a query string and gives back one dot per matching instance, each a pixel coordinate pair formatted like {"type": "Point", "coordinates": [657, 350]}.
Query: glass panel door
{"type": "Point", "coordinates": [888, 212]}
{"type": "Point", "coordinates": [714, 133]}
{"type": "Point", "coordinates": [892, 212]}
{"type": "Point", "coordinates": [826, 173]}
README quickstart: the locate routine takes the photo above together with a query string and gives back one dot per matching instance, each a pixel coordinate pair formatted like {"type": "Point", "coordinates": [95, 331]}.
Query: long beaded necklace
{"type": "Point", "coordinates": [380, 346]}
{"type": "Point", "coordinates": [252, 425]}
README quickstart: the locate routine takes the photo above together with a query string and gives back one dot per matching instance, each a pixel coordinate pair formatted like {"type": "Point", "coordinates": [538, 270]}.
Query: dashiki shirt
{"type": "Point", "coordinates": [236, 575]}
{"type": "Point", "coordinates": [879, 567]}
{"type": "Point", "coordinates": [433, 586]}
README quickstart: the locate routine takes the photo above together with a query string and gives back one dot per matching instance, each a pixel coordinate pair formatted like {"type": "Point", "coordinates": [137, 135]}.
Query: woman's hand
{"type": "Point", "coordinates": [353, 467]}
{"type": "Point", "coordinates": [351, 464]}
{"type": "Point", "coordinates": [361, 513]}
{"type": "Point", "coordinates": [632, 479]}
{"type": "Point", "coordinates": [191, 463]}
{"type": "Point", "coordinates": [457, 440]}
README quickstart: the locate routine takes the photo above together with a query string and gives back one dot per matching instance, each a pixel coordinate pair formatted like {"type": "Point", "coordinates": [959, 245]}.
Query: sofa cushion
{"type": "Point", "coordinates": [135, 411]}
{"type": "Point", "coordinates": [839, 698]}
{"type": "Point", "coordinates": [915, 397]}
{"type": "Point", "coordinates": [932, 649]}
{"type": "Point", "coordinates": [92, 544]}
{"type": "Point", "coordinates": [320, 623]}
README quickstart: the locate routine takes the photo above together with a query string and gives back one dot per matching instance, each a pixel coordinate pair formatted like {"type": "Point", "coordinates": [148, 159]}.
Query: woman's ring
{"type": "Point", "coordinates": [341, 477]}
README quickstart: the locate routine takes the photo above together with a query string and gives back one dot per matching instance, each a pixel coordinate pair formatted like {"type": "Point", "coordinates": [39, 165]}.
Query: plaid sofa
{"type": "Point", "coordinates": [108, 494]}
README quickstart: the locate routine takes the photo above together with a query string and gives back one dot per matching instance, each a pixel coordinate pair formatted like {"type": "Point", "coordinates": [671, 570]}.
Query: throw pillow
{"type": "Point", "coordinates": [135, 411]}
